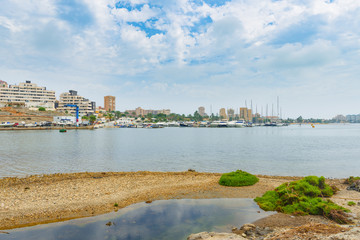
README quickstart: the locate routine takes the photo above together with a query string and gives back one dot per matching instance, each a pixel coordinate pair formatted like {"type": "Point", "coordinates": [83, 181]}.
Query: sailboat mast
{"type": "Point", "coordinates": [266, 111]}
{"type": "Point", "coordinates": [278, 106]}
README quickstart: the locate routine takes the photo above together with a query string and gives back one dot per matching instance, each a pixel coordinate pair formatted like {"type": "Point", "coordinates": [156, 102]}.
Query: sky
{"type": "Point", "coordinates": [182, 54]}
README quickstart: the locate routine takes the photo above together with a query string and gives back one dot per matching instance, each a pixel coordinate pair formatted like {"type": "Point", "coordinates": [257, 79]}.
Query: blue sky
{"type": "Point", "coordinates": [182, 54]}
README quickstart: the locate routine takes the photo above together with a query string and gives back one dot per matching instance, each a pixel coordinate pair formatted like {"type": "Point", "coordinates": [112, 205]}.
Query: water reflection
{"type": "Point", "coordinates": [172, 219]}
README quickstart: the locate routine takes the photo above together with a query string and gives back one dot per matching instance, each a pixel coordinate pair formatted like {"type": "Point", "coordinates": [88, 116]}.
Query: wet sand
{"type": "Point", "coordinates": [58, 197]}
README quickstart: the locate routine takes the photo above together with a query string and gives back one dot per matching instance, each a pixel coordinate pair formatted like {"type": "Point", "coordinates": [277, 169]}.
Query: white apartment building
{"type": "Point", "coordinates": [28, 94]}
{"type": "Point", "coordinates": [86, 107]}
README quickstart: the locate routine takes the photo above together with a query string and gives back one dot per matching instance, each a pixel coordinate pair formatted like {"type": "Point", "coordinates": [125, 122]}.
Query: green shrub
{"type": "Point", "coordinates": [302, 197]}
{"type": "Point", "coordinates": [351, 203]}
{"type": "Point", "coordinates": [351, 180]}
{"type": "Point", "coordinates": [238, 179]}
{"type": "Point", "coordinates": [42, 109]}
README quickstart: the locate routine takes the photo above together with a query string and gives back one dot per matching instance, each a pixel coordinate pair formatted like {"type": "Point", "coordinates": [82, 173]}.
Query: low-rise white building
{"type": "Point", "coordinates": [69, 120]}
{"type": "Point", "coordinates": [64, 119]}
{"type": "Point", "coordinates": [86, 107]}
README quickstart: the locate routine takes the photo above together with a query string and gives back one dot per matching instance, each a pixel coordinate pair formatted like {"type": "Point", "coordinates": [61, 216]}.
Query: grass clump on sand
{"type": "Point", "coordinates": [303, 197]}
{"type": "Point", "coordinates": [238, 179]}
{"type": "Point", "coordinates": [351, 203]}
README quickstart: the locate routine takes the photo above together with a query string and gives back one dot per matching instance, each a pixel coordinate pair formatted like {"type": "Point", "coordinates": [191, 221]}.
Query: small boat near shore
{"type": "Point", "coordinates": [270, 124]}
{"type": "Point", "coordinates": [222, 124]}
{"type": "Point", "coordinates": [183, 124]}
{"type": "Point", "coordinates": [7, 124]}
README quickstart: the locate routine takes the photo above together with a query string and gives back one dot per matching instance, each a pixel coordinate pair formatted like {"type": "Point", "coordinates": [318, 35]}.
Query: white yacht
{"type": "Point", "coordinates": [223, 124]}
{"type": "Point", "coordinates": [203, 124]}
{"type": "Point", "coordinates": [214, 124]}
{"type": "Point", "coordinates": [231, 124]}
{"type": "Point", "coordinates": [240, 123]}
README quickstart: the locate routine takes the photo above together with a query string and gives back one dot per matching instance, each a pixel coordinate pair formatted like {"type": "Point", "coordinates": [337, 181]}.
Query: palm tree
{"type": "Point", "coordinates": [110, 116]}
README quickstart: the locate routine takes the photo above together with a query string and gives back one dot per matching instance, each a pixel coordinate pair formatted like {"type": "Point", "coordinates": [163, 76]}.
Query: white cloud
{"type": "Point", "coordinates": [124, 15]}
{"type": "Point", "coordinates": [10, 24]}
{"type": "Point", "coordinates": [177, 54]}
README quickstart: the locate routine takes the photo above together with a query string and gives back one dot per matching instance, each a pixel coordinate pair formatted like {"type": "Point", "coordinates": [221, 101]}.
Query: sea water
{"type": "Point", "coordinates": [160, 220]}
{"type": "Point", "coordinates": [329, 150]}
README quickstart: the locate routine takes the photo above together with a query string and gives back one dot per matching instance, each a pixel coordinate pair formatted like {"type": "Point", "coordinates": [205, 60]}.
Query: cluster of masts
{"type": "Point", "coordinates": [267, 115]}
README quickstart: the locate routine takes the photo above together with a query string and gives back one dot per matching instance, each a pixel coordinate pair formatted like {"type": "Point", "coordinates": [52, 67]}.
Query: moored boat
{"type": "Point", "coordinates": [223, 124]}
{"type": "Point", "coordinates": [240, 123]}
{"type": "Point", "coordinates": [7, 124]}
{"type": "Point", "coordinates": [270, 124]}
{"type": "Point", "coordinates": [182, 124]}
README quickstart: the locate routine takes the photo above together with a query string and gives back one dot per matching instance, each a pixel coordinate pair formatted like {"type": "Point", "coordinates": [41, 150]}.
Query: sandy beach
{"type": "Point", "coordinates": [58, 197]}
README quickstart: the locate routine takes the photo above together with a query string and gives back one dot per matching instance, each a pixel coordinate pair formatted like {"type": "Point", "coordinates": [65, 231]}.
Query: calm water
{"type": "Point", "coordinates": [328, 150]}
{"type": "Point", "coordinates": [160, 220]}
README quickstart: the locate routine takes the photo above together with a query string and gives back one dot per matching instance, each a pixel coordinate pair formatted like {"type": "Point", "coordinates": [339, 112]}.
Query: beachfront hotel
{"type": "Point", "coordinates": [86, 107]}
{"type": "Point", "coordinates": [26, 94]}
{"type": "Point", "coordinates": [109, 103]}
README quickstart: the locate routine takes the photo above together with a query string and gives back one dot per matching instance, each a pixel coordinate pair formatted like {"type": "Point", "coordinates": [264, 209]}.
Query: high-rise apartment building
{"type": "Point", "coordinates": [201, 111]}
{"type": "Point", "coordinates": [86, 107]}
{"type": "Point", "coordinates": [246, 114]}
{"type": "Point", "coordinates": [27, 94]}
{"type": "Point", "coordinates": [109, 103]}
{"type": "Point", "coordinates": [231, 113]}
{"type": "Point", "coordinates": [222, 113]}
{"type": "Point", "coordinates": [250, 116]}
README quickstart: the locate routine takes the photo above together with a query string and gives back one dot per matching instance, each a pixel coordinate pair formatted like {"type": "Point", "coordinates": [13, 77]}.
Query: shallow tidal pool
{"type": "Point", "coordinates": [165, 219]}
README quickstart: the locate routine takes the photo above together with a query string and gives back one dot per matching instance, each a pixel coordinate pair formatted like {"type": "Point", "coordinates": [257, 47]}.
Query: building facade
{"type": "Point", "coordinates": [109, 103]}
{"type": "Point", "coordinates": [86, 107]}
{"type": "Point", "coordinates": [341, 118]}
{"type": "Point", "coordinates": [353, 118]}
{"type": "Point", "coordinates": [143, 112]}
{"type": "Point", "coordinates": [201, 111]}
{"type": "Point", "coordinates": [27, 94]}
{"type": "Point", "coordinates": [245, 114]}
{"type": "Point", "coordinates": [222, 113]}
{"type": "Point", "coordinates": [231, 113]}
